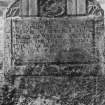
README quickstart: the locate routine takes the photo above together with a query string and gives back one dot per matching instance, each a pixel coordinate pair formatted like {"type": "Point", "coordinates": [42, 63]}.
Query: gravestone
{"type": "Point", "coordinates": [54, 51]}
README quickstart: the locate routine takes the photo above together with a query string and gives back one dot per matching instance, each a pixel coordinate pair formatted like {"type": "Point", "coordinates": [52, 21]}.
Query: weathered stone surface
{"type": "Point", "coordinates": [76, 7]}
{"type": "Point", "coordinates": [81, 7]}
{"type": "Point", "coordinates": [52, 40]}
{"type": "Point", "coordinates": [33, 8]}
{"type": "Point", "coordinates": [25, 7]}
{"type": "Point", "coordinates": [14, 9]}
{"type": "Point", "coordinates": [62, 90]}
{"type": "Point", "coordinates": [7, 45]}
{"type": "Point", "coordinates": [52, 8]}
{"type": "Point", "coordinates": [71, 7]}
{"type": "Point", "coordinates": [56, 40]}
{"type": "Point", "coordinates": [55, 60]}
{"type": "Point", "coordinates": [94, 8]}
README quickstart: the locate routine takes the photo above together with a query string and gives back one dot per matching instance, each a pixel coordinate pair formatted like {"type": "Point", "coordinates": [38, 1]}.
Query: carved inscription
{"type": "Point", "coordinates": [45, 39]}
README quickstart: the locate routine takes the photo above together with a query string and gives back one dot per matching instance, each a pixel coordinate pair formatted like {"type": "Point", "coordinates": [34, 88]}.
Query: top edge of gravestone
{"type": "Point", "coordinates": [18, 8]}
